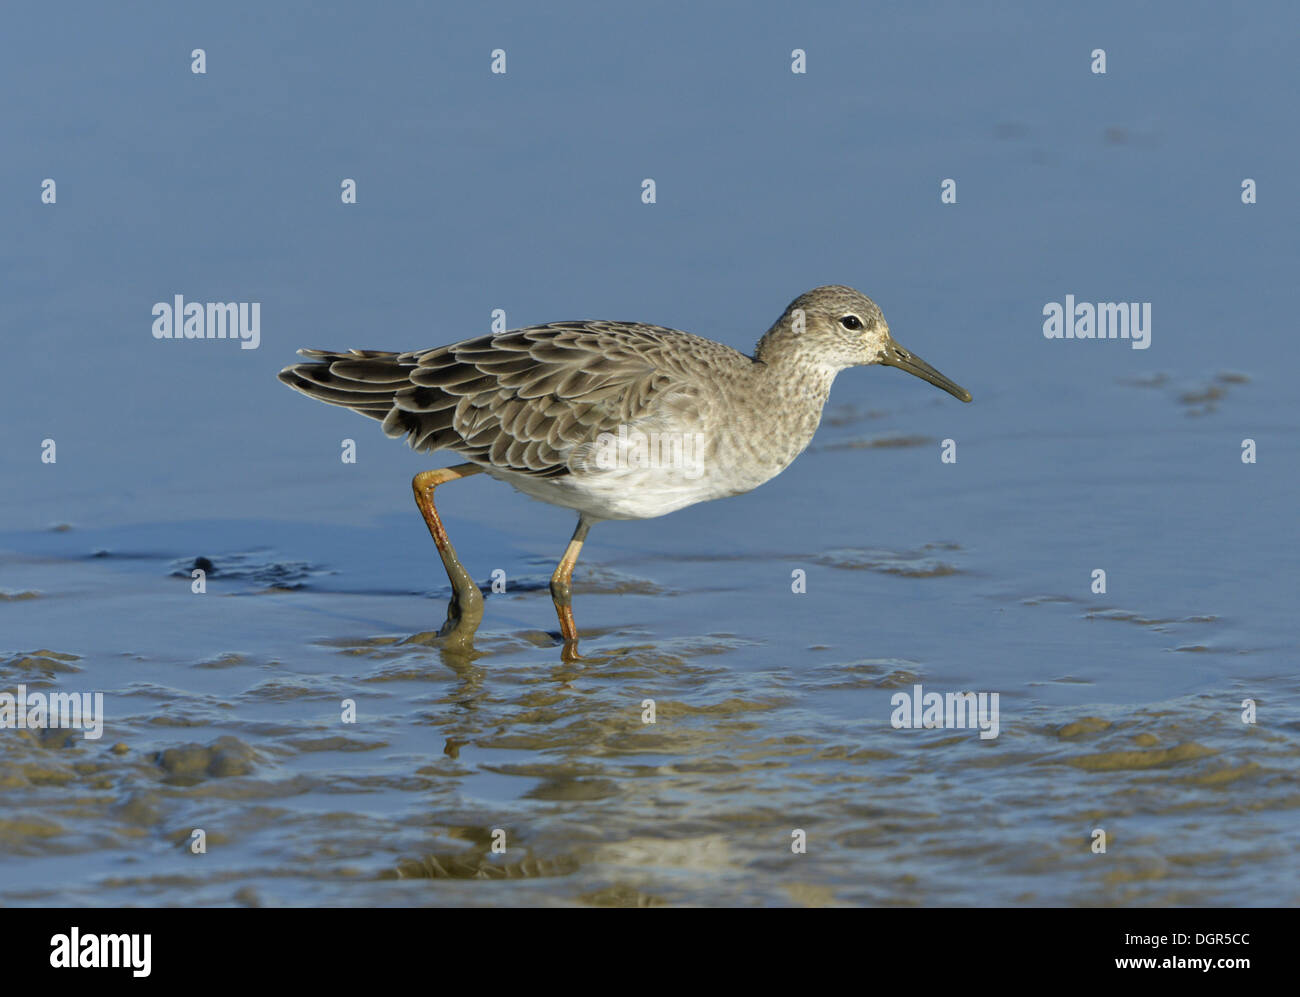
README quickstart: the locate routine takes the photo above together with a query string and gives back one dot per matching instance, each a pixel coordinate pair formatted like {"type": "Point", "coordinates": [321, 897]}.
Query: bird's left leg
{"type": "Point", "coordinates": [562, 590]}
{"type": "Point", "coordinates": [465, 609]}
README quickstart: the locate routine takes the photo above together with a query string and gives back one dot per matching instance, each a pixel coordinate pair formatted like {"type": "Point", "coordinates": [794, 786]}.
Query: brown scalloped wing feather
{"type": "Point", "coordinates": [521, 400]}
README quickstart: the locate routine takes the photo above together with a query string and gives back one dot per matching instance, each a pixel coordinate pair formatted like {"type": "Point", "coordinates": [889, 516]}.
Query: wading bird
{"type": "Point", "coordinates": [616, 420]}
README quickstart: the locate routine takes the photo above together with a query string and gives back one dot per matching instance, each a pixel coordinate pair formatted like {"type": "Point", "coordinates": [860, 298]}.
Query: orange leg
{"type": "Point", "coordinates": [562, 590]}
{"type": "Point", "coordinates": [465, 609]}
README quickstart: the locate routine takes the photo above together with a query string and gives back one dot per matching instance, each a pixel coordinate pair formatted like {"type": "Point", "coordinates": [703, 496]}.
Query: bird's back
{"type": "Point", "coordinates": [522, 401]}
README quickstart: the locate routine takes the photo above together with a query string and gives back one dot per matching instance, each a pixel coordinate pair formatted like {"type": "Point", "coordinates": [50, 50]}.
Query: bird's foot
{"type": "Point", "coordinates": [464, 614]}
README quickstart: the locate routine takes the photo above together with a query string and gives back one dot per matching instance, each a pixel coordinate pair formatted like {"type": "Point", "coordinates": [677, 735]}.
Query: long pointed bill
{"type": "Point", "coordinates": [895, 356]}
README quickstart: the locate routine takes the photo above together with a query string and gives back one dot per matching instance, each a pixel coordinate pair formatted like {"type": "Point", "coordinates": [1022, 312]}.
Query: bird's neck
{"type": "Point", "coordinates": [791, 394]}
{"type": "Point", "coordinates": [789, 368]}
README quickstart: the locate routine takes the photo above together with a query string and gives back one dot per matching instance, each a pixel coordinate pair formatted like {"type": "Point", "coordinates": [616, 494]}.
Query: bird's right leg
{"type": "Point", "coordinates": [465, 609]}
{"type": "Point", "coordinates": [562, 591]}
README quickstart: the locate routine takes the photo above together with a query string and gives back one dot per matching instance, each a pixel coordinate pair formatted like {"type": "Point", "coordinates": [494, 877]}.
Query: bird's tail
{"type": "Point", "coordinates": [365, 381]}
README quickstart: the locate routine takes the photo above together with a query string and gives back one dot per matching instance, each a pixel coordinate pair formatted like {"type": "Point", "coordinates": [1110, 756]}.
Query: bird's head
{"type": "Point", "coordinates": [839, 327]}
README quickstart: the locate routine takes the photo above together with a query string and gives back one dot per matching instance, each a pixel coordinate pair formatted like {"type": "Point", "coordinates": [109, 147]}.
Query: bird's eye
{"type": "Point", "coordinates": [851, 322]}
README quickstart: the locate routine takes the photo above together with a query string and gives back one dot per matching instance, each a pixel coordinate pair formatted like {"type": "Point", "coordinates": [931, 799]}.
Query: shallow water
{"type": "Point", "coordinates": [773, 708]}
{"type": "Point", "coordinates": [1119, 711]}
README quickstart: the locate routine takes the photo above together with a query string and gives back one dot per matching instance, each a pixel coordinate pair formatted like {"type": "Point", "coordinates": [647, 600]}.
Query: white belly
{"type": "Point", "coordinates": [621, 494]}
{"type": "Point", "coordinates": [642, 474]}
